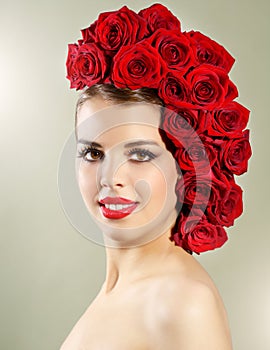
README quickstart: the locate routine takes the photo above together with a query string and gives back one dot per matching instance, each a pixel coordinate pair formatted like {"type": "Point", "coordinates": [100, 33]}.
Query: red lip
{"type": "Point", "coordinates": [115, 200]}
{"type": "Point", "coordinates": [117, 214]}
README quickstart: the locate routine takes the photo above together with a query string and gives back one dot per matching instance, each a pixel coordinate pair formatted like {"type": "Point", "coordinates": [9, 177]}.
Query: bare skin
{"type": "Point", "coordinates": [156, 296]}
{"type": "Point", "coordinates": [153, 298]}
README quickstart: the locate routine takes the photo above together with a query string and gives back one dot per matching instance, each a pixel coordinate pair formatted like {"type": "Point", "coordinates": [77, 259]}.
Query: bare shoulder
{"type": "Point", "coordinates": [192, 315]}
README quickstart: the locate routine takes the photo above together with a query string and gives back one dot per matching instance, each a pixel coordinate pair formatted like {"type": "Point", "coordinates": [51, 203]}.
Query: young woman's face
{"type": "Point", "coordinates": [125, 173]}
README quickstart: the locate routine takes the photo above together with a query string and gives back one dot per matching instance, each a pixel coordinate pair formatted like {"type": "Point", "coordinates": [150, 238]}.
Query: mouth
{"type": "Point", "coordinates": [117, 207]}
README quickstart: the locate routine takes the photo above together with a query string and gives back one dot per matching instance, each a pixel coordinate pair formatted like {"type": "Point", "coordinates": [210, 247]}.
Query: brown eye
{"type": "Point", "coordinates": [141, 155]}
{"type": "Point", "coordinates": [93, 154]}
{"type": "Point", "coordinates": [90, 154]}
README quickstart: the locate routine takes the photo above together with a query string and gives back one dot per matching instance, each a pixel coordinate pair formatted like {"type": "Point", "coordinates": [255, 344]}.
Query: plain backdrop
{"type": "Point", "coordinates": [49, 272]}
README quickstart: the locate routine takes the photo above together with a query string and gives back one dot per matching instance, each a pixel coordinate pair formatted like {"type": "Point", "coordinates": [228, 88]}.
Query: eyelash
{"type": "Point", "coordinates": [85, 150]}
{"type": "Point", "coordinates": [146, 153]}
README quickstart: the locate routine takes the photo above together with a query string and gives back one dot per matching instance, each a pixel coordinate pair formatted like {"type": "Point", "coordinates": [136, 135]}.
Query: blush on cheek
{"type": "Point", "coordinates": [144, 189]}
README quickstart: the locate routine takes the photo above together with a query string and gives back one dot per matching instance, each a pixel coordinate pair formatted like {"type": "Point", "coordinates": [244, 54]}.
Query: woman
{"type": "Point", "coordinates": [154, 119]}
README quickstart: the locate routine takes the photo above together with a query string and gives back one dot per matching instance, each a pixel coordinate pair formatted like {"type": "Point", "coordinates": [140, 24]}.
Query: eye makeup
{"type": "Point", "coordinates": [92, 151]}
{"type": "Point", "coordinates": [140, 155]}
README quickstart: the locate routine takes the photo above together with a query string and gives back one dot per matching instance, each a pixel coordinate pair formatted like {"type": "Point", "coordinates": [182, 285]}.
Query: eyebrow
{"type": "Point", "coordinates": [127, 145]}
{"type": "Point", "coordinates": [140, 143]}
{"type": "Point", "coordinates": [90, 143]}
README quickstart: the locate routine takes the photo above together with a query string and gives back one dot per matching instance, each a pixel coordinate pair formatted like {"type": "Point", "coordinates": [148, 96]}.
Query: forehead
{"type": "Point", "coordinates": [98, 120]}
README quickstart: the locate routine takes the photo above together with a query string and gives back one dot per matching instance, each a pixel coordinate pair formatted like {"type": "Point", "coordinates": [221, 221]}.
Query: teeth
{"type": "Point", "coordinates": [117, 206]}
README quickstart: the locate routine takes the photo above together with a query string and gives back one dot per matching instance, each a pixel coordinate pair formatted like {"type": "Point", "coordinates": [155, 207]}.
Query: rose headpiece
{"type": "Point", "coordinates": [189, 72]}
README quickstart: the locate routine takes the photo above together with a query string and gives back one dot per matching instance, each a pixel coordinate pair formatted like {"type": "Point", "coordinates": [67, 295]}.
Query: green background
{"type": "Point", "coordinates": [49, 272]}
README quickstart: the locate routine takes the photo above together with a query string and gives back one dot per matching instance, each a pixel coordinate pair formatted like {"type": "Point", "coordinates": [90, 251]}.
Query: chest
{"type": "Point", "coordinates": [113, 324]}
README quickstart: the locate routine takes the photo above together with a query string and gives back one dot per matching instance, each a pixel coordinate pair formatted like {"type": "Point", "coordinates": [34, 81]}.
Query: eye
{"type": "Point", "coordinates": [141, 155]}
{"type": "Point", "coordinates": [90, 154]}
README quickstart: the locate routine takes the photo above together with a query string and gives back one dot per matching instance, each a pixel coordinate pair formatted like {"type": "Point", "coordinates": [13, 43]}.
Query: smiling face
{"type": "Point", "coordinates": [125, 173]}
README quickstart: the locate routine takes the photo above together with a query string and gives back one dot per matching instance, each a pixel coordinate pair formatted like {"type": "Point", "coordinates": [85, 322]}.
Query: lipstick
{"type": "Point", "coordinates": [117, 207]}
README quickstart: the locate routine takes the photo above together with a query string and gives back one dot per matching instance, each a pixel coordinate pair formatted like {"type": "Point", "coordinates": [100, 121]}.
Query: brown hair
{"type": "Point", "coordinates": [114, 95]}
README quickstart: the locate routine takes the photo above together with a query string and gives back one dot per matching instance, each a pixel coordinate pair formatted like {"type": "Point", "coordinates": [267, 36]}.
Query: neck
{"type": "Point", "coordinates": [125, 265]}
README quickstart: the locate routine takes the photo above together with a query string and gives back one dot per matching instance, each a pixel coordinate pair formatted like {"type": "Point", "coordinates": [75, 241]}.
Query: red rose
{"type": "Point", "coordinates": [236, 153]}
{"type": "Point", "coordinates": [209, 86]}
{"type": "Point", "coordinates": [90, 65]}
{"type": "Point", "coordinates": [228, 207]}
{"type": "Point", "coordinates": [208, 51]}
{"type": "Point", "coordinates": [197, 118]}
{"type": "Point", "coordinates": [89, 34]}
{"type": "Point", "coordinates": [181, 124]}
{"type": "Point", "coordinates": [197, 154]}
{"type": "Point", "coordinates": [230, 120]}
{"type": "Point", "coordinates": [198, 189]}
{"type": "Point", "coordinates": [194, 189]}
{"type": "Point", "coordinates": [117, 28]}
{"type": "Point", "coordinates": [173, 48]}
{"type": "Point", "coordinates": [232, 91]}
{"type": "Point", "coordinates": [72, 73]}
{"type": "Point", "coordinates": [174, 90]}
{"type": "Point", "coordinates": [176, 127]}
{"type": "Point", "coordinates": [137, 66]}
{"type": "Point", "coordinates": [220, 185]}
{"type": "Point", "coordinates": [158, 16]}
{"type": "Point", "coordinates": [197, 234]}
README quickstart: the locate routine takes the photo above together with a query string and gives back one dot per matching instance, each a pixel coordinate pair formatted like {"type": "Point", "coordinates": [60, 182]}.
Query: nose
{"type": "Point", "coordinates": [111, 172]}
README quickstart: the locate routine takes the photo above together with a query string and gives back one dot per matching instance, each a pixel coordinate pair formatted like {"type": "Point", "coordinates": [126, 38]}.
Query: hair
{"type": "Point", "coordinates": [109, 93]}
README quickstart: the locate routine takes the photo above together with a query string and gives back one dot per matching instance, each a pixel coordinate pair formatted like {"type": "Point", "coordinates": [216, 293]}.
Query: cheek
{"type": "Point", "coordinates": [86, 178]}
{"type": "Point", "coordinates": [159, 186]}
{"type": "Point", "coordinates": [151, 183]}
{"type": "Point", "coordinates": [164, 184]}
{"type": "Point", "coordinates": [164, 177]}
